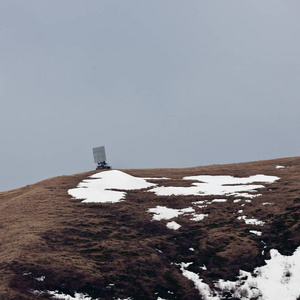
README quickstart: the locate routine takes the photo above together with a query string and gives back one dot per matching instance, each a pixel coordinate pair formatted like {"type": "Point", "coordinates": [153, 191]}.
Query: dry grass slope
{"type": "Point", "coordinates": [111, 250]}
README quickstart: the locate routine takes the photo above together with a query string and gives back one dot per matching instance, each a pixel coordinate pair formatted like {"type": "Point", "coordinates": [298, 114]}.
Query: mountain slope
{"type": "Point", "coordinates": [53, 242]}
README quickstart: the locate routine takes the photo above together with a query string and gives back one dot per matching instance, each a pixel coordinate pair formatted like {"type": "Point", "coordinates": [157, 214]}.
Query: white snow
{"type": "Point", "coordinates": [98, 189]}
{"type": "Point", "coordinates": [42, 278]}
{"type": "Point", "coordinates": [155, 178]}
{"type": "Point", "coordinates": [111, 186]}
{"type": "Point", "coordinates": [256, 232]}
{"type": "Point", "coordinates": [173, 225]}
{"type": "Point", "coordinates": [58, 295]}
{"type": "Point", "coordinates": [198, 217]}
{"type": "Point", "coordinates": [205, 189]}
{"type": "Point", "coordinates": [219, 200]}
{"type": "Point", "coordinates": [226, 179]}
{"type": "Point", "coordinates": [280, 167]}
{"type": "Point", "coordinates": [198, 202]}
{"type": "Point", "coordinates": [246, 195]}
{"type": "Point", "coordinates": [251, 221]}
{"type": "Point", "coordinates": [236, 200]}
{"type": "Point", "coordinates": [278, 279]}
{"type": "Point", "coordinates": [217, 185]}
{"type": "Point", "coordinates": [165, 213]}
{"type": "Point", "coordinates": [203, 288]}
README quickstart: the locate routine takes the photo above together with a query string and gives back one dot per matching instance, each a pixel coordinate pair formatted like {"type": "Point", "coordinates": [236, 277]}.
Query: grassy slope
{"type": "Point", "coordinates": [86, 247]}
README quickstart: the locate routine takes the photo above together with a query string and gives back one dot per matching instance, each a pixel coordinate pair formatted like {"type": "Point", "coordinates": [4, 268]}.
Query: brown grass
{"type": "Point", "coordinates": [88, 247]}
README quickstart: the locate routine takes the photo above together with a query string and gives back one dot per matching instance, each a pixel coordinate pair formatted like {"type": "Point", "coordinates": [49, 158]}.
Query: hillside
{"type": "Point", "coordinates": [169, 231]}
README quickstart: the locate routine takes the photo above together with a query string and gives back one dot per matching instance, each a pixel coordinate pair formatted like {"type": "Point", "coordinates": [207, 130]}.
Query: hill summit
{"type": "Point", "coordinates": [209, 232]}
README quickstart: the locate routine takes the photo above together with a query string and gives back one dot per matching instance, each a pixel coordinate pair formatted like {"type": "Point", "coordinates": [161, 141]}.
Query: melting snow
{"type": "Point", "coordinates": [173, 225]}
{"type": "Point", "coordinates": [198, 217]}
{"type": "Point", "coordinates": [251, 221]}
{"type": "Point", "coordinates": [155, 178]}
{"type": "Point", "coordinates": [58, 295]}
{"type": "Point", "coordinates": [165, 213]}
{"type": "Point", "coordinates": [202, 287]}
{"type": "Point", "coordinates": [198, 202]}
{"type": "Point", "coordinates": [256, 232]}
{"type": "Point", "coordinates": [98, 189]}
{"type": "Point", "coordinates": [219, 200]}
{"type": "Point", "coordinates": [246, 195]}
{"type": "Point", "coordinates": [217, 185]}
{"type": "Point", "coordinates": [278, 279]}
{"type": "Point", "coordinates": [226, 179]}
{"type": "Point", "coordinates": [42, 278]}
{"type": "Point", "coordinates": [102, 186]}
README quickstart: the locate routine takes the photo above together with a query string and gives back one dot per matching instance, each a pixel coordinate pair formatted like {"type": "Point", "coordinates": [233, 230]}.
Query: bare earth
{"type": "Point", "coordinates": [111, 251]}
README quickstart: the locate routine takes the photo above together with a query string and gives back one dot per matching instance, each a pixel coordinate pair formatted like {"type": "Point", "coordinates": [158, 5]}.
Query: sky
{"type": "Point", "coordinates": [161, 83]}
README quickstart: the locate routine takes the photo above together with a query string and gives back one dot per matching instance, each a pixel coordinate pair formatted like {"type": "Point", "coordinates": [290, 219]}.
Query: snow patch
{"type": "Point", "coordinates": [278, 279]}
{"type": "Point", "coordinates": [165, 213]}
{"type": "Point", "coordinates": [99, 188]}
{"type": "Point", "coordinates": [256, 232]}
{"type": "Point", "coordinates": [173, 225]}
{"type": "Point", "coordinates": [155, 178]}
{"type": "Point", "coordinates": [217, 185]}
{"type": "Point", "coordinates": [236, 201]}
{"type": "Point", "coordinates": [199, 202]}
{"type": "Point", "coordinates": [42, 278]}
{"type": "Point", "coordinates": [203, 288]}
{"type": "Point", "coordinates": [219, 200]}
{"type": "Point", "coordinates": [251, 221]}
{"type": "Point", "coordinates": [58, 295]}
{"type": "Point", "coordinates": [198, 217]}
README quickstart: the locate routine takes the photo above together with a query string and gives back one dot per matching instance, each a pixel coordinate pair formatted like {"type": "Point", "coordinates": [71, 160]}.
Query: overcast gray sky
{"type": "Point", "coordinates": [161, 83]}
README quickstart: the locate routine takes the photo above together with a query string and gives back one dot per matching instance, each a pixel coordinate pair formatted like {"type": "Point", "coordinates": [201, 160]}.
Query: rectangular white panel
{"type": "Point", "coordinates": [99, 154]}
